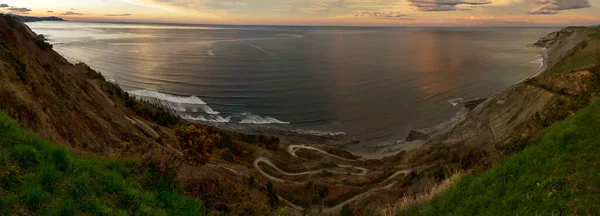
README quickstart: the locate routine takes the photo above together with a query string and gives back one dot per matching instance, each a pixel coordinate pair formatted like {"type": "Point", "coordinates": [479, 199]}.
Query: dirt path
{"type": "Point", "coordinates": [293, 148]}
{"type": "Point", "coordinates": [363, 171]}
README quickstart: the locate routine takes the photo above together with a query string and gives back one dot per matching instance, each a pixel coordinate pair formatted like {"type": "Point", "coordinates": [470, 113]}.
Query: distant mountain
{"type": "Point", "coordinates": [37, 19]}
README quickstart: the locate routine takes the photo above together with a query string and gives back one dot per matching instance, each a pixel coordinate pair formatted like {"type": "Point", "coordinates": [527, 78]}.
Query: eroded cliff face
{"type": "Point", "coordinates": [73, 105]}
{"type": "Point", "coordinates": [503, 124]}
{"type": "Point", "coordinates": [65, 103]}
{"type": "Point", "coordinates": [564, 43]}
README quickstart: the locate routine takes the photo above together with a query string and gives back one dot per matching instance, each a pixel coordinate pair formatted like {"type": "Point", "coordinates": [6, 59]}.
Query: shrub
{"type": "Point", "coordinates": [48, 177]}
{"type": "Point", "coordinates": [9, 180]}
{"type": "Point", "coordinates": [15, 60]}
{"type": "Point", "coordinates": [467, 160]}
{"type": "Point", "coordinates": [198, 142]}
{"type": "Point", "coordinates": [251, 181]}
{"type": "Point", "coordinates": [346, 211]}
{"type": "Point", "coordinates": [43, 45]}
{"type": "Point", "coordinates": [61, 159]}
{"type": "Point", "coordinates": [160, 115]}
{"type": "Point", "coordinates": [112, 182]}
{"type": "Point", "coordinates": [26, 156]}
{"type": "Point", "coordinates": [513, 146]}
{"type": "Point", "coordinates": [272, 194]}
{"type": "Point", "coordinates": [82, 186]}
{"type": "Point", "coordinates": [67, 208]}
{"type": "Point", "coordinates": [228, 156]}
{"type": "Point", "coordinates": [94, 74]}
{"type": "Point", "coordinates": [34, 197]}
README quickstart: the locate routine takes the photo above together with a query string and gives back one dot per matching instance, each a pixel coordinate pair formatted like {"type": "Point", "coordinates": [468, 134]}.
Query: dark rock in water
{"type": "Point", "coordinates": [416, 135]}
{"type": "Point", "coordinates": [472, 104]}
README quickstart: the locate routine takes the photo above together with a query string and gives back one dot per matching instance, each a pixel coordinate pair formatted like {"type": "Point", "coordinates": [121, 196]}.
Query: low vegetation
{"type": "Point", "coordinates": [41, 178]}
{"type": "Point", "coordinates": [15, 23]}
{"type": "Point", "coordinates": [556, 174]}
{"type": "Point", "coordinates": [586, 55]}
{"type": "Point", "coordinates": [161, 115]}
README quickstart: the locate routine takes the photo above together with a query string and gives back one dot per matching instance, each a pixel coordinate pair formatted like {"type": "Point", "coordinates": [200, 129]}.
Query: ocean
{"type": "Point", "coordinates": [368, 84]}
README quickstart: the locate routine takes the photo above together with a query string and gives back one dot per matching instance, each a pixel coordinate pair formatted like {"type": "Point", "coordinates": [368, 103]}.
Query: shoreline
{"type": "Point", "coordinates": [385, 147]}
{"type": "Point", "coordinates": [295, 136]}
{"type": "Point", "coordinates": [404, 145]}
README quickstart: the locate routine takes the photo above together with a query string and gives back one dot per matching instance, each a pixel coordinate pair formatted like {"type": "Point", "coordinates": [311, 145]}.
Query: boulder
{"type": "Point", "coordinates": [416, 135]}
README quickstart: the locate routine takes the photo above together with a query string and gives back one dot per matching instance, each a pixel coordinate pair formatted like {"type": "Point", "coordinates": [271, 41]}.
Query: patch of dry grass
{"type": "Point", "coordinates": [408, 201]}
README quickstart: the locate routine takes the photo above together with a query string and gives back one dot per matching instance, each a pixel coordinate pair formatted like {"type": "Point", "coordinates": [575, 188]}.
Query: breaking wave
{"type": "Point", "coordinates": [193, 108]}
{"type": "Point", "coordinates": [320, 133]}
{"type": "Point", "coordinates": [249, 118]}
{"type": "Point", "coordinates": [166, 97]}
{"type": "Point", "coordinates": [217, 119]}
{"type": "Point", "coordinates": [455, 101]}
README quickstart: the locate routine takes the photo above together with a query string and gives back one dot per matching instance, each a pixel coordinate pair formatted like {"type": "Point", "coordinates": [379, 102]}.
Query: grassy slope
{"type": "Point", "coordinates": [41, 178]}
{"type": "Point", "coordinates": [581, 59]}
{"type": "Point", "coordinates": [559, 173]}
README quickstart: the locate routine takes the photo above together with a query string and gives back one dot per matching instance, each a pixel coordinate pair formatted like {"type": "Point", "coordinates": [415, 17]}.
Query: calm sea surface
{"type": "Point", "coordinates": [369, 84]}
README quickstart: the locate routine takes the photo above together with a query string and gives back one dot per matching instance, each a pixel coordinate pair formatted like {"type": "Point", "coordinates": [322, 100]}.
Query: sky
{"type": "Point", "coordinates": [320, 12]}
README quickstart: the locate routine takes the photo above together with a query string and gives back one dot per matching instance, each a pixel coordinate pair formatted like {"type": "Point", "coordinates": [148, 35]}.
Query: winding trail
{"type": "Point", "coordinates": [293, 148]}
{"type": "Point", "coordinates": [363, 171]}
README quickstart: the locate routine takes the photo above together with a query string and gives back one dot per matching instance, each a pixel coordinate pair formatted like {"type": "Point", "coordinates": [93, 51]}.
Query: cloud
{"type": "Point", "coordinates": [117, 15]}
{"type": "Point", "coordinates": [49, 11]}
{"type": "Point", "coordinates": [4, 5]}
{"type": "Point", "coordinates": [555, 6]}
{"type": "Point", "coordinates": [19, 10]}
{"type": "Point", "coordinates": [313, 6]}
{"type": "Point", "coordinates": [73, 9]}
{"type": "Point", "coordinates": [71, 13]}
{"type": "Point", "coordinates": [224, 3]}
{"type": "Point", "coordinates": [384, 15]}
{"type": "Point", "coordinates": [444, 5]}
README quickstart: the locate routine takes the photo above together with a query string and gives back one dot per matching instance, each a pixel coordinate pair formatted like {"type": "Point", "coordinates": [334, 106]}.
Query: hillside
{"type": "Point", "coordinates": [541, 173]}
{"type": "Point", "coordinates": [41, 178]}
{"type": "Point", "coordinates": [71, 105]}
{"type": "Point", "coordinates": [557, 174]}
{"type": "Point", "coordinates": [86, 129]}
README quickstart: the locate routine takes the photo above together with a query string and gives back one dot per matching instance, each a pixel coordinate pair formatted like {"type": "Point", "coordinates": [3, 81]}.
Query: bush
{"type": "Point", "coordinates": [198, 142]}
{"type": "Point", "coordinates": [150, 111]}
{"type": "Point", "coordinates": [61, 159]}
{"type": "Point", "coordinates": [43, 45]}
{"type": "Point", "coordinates": [251, 181]}
{"type": "Point", "coordinates": [272, 194]}
{"type": "Point", "coordinates": [26, 156]}
{"type": "Point", "coordinates": [346, 211]}
{"type": "Point", "coordinates": [67, 208]}
{"type": "Point", "coordinates": [48, 177]}
{"type": "Point", "coordinates": [467, 160]}
{"type": "Point", "coordinates": [34, 197]}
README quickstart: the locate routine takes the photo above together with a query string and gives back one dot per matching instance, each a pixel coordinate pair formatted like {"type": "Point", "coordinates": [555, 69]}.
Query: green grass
{"type": "Point", "coordinates": [558, 174]}
{"type": "Point", "coordinates": [586, 57]}
{"type": "Point", "coordinates": [41, 178]}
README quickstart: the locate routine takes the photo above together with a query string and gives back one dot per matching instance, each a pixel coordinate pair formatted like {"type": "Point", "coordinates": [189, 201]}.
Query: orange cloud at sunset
{"type": "Point", "coordinates": [322, 12]}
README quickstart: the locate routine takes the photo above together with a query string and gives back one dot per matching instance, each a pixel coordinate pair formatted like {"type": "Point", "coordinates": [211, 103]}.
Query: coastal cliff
{"type": "Point", "coordinates": [137, 157]}
{"type": "Point", "coordinates": [122, 155]}
{"type": "Point", "coordinates": [549, 96]}
{"type": "Point", "coordinates": [511, 133]}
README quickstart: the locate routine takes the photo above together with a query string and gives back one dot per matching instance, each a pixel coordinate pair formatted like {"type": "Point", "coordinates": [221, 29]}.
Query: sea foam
{"type": "Point", "coordinates": [167, 97]}
{"type": "Point", "coordinates": [215, 118]}
{"type": "Point", "coordinates": [455, 101]}
{"type": "Point", "coordinates": [320, 133]}
{"type": "Point", "coordinates": [249, 118]}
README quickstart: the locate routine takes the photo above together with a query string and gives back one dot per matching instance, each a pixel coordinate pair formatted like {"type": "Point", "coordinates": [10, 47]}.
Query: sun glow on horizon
{"type": "Point", "coordinates": [321, 12]}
